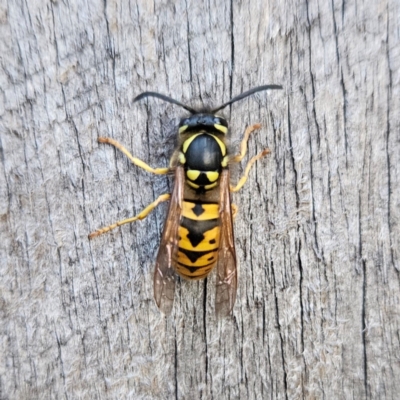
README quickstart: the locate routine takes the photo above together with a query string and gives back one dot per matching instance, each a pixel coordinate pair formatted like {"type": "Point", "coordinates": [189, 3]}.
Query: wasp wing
{"type": "Point", "coordinates": [226, 266]}
{"type": "Point", "coordinates": [164, 274]}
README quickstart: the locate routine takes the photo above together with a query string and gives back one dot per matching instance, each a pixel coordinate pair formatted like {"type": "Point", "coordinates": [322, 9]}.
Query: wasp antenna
{"type": "Point", "coordinates": [165, 98]}
{"type": "Point", "coordinates": [246, 94]}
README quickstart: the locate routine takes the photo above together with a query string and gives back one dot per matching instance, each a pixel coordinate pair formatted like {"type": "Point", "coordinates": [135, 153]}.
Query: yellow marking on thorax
{"type": "Point", "coordinates": [183, 128]}
{"type": "Point", "coordinates": [193, 185]}
{"type": "Point", "coordinates": [212, 175]}
{"type": "Point", "coordinates": [211, 186]}
{"type": "Point", "coordinates": [221, 144]}
{"type": "Point", "coordinates": [187, 142]}
{"type": "Point", "coordinates": [221, 128]}
{"type": "Point", "coordinates": [182, 158]}
{"type": "Point", "coordinates": [192, 174]}
{"type": "Point", "coordinates": [206, 187]}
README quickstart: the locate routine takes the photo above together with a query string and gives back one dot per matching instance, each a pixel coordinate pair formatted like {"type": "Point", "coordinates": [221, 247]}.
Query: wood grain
{"type": "Point", "coordinates": [317, 311]}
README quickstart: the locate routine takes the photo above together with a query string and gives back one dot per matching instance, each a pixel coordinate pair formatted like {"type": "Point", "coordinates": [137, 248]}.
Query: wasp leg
{"type": "Point", "coordinates": [134, 160]}
{"type": "Point", "coordinates": [143, 214]}
{"type": "Point", "coordinates": [243, 145]}
{"type": "Point", "coordinates": [235, 210]}
{"type": "Point", "coordinates": [243, 179]}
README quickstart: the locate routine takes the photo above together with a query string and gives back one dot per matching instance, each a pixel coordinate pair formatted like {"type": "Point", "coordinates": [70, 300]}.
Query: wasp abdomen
{"type": "Point", "coordinates": [199, 234]}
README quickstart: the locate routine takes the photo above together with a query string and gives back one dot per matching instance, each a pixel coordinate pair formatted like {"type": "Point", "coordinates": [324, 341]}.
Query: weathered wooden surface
{"type": "Point", "coordinates": [317, 314]}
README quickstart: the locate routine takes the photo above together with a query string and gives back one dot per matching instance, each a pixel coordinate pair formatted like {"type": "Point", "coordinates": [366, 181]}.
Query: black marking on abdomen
{"type": "Point", "coordinates": [192, 270]}
{"type": "Point", "coordinates": [198, 209]}
{"type": "Point", "coordinates": [193, 256]}
{"type": "Point", "coordinates": [197, 229]}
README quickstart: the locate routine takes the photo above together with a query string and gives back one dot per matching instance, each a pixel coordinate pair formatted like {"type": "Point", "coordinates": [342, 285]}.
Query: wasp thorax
{"type": "Point", "coordinates": [204, 155]}
{"type": "Point", "coordinates": [203, 152]}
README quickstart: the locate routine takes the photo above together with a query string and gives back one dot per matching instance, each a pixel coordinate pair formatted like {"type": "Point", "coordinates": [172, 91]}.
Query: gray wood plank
{"type": "Point", "coordinates": [317, 312]}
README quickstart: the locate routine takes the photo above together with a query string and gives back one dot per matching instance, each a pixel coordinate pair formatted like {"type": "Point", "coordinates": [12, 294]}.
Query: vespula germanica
{"type": "Point", "coordinates": [198, 233]}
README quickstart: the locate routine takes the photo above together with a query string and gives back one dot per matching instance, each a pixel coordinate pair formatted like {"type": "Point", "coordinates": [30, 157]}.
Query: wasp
{"type": "Point", "coordinates": [198, 234]}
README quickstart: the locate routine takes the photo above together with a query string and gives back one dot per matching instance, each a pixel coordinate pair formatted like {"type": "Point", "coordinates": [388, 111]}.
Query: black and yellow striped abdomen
{"type": "Point", "coordinates": [199, 233]}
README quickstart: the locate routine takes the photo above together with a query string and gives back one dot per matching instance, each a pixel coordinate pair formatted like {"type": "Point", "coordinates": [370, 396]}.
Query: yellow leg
{"type": "Point", "coordinates": [243, 179]}
{"type": "Point", "coordinates": [143, 214]}
{"type": "Point", "coordinates": [243, 145]}
{"type": "Point", "coordinates": [134, 160]}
